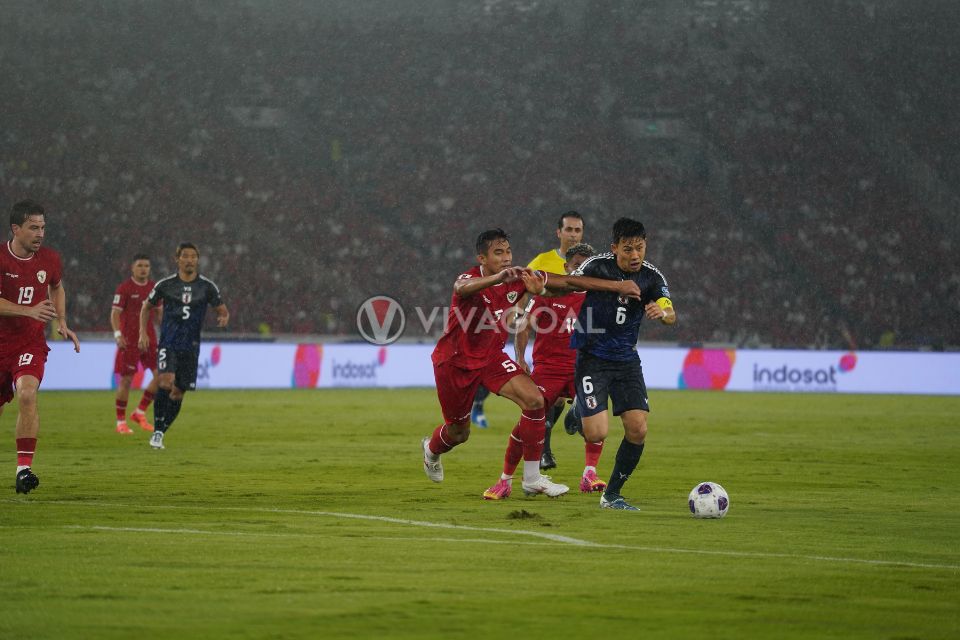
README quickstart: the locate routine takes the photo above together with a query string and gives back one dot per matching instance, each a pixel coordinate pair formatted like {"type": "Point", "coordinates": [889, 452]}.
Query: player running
{"type": "Point", "coordinates": [31, 294]}
{"type": "Point", "coordinates": [606, 343]}
{"type": "Point", "coordinates": [470, 352]}
{"type": "Point", "coordinates": [569, 233]}
{"type": "Point", "coordinates": [185, 296]}
{"type": "Point", "coordinates": [552, 319]}
{"type": "Point", "coordinates": [125, 320]}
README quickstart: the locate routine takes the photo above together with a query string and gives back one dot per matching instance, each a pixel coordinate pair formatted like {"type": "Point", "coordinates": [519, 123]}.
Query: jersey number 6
{"type": "Point", "coordinates": [586, 385]}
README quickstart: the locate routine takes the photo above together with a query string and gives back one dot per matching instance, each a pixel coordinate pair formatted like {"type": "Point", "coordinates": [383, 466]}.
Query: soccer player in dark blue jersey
{"type": "Point", "coordinates": [608, 365]}
{"type": "Point", "coordinates": [185, 296]}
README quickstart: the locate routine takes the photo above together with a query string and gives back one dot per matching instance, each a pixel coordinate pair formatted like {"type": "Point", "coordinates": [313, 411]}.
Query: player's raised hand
{"type": "Point", "coordinates": [64, 331]}
{"type": "Point", "coordinates": [44, 311]}
{"type": "Point", "coordinates": [653, 311]}
{"type": "Point", "coordinates": [510, 274]}
{"type": "Point", "coordinates": [628, 289]}
{"type": "Point", "coordinates": [532, 281]}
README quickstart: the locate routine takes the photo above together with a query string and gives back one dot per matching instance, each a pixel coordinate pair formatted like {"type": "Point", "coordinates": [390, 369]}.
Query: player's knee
{"type": "Point", "coordinates": [533, 402]}
{"type": "Point", "coordinates": [164, 384]}
{"type": "Point", "coordinates": [27, 397]}
{"type": "Point", "coordinates": [460, 433]}
{"type": "Point", "coordinates": [636, 432]}
{"type": "Point", "coordinates": [594, 434]}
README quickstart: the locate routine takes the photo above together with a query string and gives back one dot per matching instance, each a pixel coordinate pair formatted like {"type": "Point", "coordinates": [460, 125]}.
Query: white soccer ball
{"type": "Point", "coordinates": [708, 500]}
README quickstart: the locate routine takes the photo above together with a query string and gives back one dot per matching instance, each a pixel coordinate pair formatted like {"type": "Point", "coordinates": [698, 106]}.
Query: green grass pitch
{"type": "Point", "coordinates": [306, 514]}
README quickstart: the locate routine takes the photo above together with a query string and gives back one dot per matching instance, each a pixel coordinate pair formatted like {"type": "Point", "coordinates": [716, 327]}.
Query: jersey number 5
{"type": "Point", "coordinates": [186, 312]}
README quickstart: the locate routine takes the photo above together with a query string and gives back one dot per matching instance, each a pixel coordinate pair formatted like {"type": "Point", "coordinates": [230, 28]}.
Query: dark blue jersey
{"type": "Point", "coordinates": [608, 325]}
{"type": "Point", "coordinates": [184, 306]}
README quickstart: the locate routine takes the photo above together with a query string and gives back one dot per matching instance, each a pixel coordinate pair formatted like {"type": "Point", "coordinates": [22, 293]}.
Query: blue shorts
{"type": "Point", "coordinates": [598, 379]}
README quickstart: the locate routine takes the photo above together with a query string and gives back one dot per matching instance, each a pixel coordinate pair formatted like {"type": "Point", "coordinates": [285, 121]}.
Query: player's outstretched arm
{"type": "Point", "coordinates": [58, 295]}
{"type": "Point", "coordinates": [223, 316]}
{"type": "Point", "coordinates": [564, 284]}
{"type": "Point", "coordinates": [465, 286]}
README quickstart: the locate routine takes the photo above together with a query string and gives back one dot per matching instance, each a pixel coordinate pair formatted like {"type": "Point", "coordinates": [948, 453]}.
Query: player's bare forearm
{"type": "Point", "coordinates": [564, 284]}
{"type": "Point", "coordinates": [520, 342]}
{"type": "Point", "coordinates": [661, 310]}
{"type": "Point", "coordinates": [466, 287]}
{"type": "Point", "coordinates": [58, 296]}
{"type": "Point", "coordinates": [44, 311]}
{"type": "Point", "coordinates": [145, 310]}
{"type": "Point", "coordinates": [223, 315]}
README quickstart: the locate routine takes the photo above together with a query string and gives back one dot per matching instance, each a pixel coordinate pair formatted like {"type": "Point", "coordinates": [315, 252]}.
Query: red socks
{"type": "Point", "coordinates": [145, 402]}
{"type": "Point", "coordinates": [532, 429]}
{"type": "Point", "coordinates": [514, 452]}
{"type": "Point", "coordinates": [121, 410]}
{"type": "Point", "coordinates": [592, 451]}
{"type": "Point", "coordinates": [441, 442]}
{"type": "Point", "coordinates": [26, 447]}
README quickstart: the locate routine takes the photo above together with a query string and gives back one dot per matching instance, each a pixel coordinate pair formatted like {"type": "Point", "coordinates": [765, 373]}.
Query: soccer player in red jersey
{"type": "Point", "coordinates": [470, 352]}
{"type": "Point", "coordinates": [552, 319]}
{"type": "Point", "coordinates": [31, 294]}
{"type": "Point", "coordinates": [125, 320]}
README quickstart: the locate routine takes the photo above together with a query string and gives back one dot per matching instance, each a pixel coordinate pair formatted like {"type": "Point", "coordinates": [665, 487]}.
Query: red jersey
{"type": "Point", "coordinates": [553, 320]}
{"type": "Point", "coordinates": [128, 299]}
{"type": "Point", "coordinates": [26, 281]}
{"type": "Point", "coordinates": [475, 331]}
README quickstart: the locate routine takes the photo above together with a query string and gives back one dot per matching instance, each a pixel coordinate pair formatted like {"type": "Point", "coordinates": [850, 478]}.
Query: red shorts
{"type": "Point", "coordinates": [127, 360]}
{"type": "Point", "coordinates": [19, 361]}
{"type": "Point", "coordinates": [554, 384]}
{"type": "Point", "coordinates": [456, 387]}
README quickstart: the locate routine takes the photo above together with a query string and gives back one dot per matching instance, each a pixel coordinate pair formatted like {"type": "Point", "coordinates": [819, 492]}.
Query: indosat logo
{"type": "Point", "coordinates": [794, 378]}
{"type": "Point", "coordinates": [343, 372]}
{"type": "Point", "coordinates": [707, 369]}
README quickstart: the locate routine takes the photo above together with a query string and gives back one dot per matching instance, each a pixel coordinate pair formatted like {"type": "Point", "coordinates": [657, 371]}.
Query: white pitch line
{"type": "Point", "coordinates": [586, 544]}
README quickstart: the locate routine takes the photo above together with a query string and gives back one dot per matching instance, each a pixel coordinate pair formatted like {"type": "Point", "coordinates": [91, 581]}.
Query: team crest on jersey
{"type": "Point", "coordinates": [186, 297]}
{"type": "Point", "coordinates": [622, 299]}
{"type": "Point", "coordinates": [591, 402]}
{"type": "Point", "coordinates": [512, 297]}
{"type": "Point", "coordinates": [42, 276]}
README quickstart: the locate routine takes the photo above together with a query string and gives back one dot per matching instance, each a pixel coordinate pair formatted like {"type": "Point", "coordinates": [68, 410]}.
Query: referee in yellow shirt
{"type": "Point", "coordinates": [569, 233]}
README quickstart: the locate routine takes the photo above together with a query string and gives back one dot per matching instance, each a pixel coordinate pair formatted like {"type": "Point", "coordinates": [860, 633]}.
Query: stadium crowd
{"type": "Point", "coordinates": [319, 162]}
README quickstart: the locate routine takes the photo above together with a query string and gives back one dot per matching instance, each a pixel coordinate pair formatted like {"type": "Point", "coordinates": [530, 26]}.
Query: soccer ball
{"type": "Point", "coordinates": [708, 500]}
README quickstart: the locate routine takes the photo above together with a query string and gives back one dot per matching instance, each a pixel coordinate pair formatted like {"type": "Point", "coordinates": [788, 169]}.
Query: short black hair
{"type": "Point", "coordinates": [23, 210]}
{"type": "Point", "coordinates": [628, 228]}
{"type": "Point", "coordinates": [186, 245]}
{"type": "Point", "coordinates": [140, 256]}
{"type": "Point", "coordinates": [569, 214]}
{"type": "Point", "coordinates": [485, 239]}
{"type": "Point", "coordinates": [581, 249]}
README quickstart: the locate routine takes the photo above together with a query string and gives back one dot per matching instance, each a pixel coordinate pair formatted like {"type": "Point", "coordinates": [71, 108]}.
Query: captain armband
{"type": "Point", "coordinates": [665, 303]}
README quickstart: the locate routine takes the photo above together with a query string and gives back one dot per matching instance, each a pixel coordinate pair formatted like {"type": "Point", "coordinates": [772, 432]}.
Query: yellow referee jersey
{"type": "Point", "coordinates": [549, 261]}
